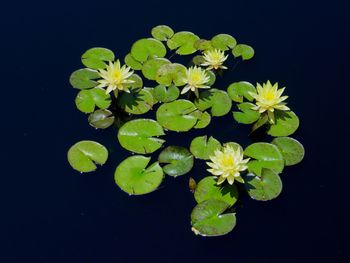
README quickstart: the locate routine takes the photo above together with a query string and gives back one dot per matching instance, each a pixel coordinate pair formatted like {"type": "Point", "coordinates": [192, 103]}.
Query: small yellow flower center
{"type": "Point", "coordinates": [270, 95]}
{"type": "Point", "coordinates": [195, 78]}
{"type": "Point", "coordinates": [116, 75]}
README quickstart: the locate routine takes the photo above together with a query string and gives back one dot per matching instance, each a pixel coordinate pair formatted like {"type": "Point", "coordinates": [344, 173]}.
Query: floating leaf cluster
{"type": "Point", "coordinates": [123, 93]}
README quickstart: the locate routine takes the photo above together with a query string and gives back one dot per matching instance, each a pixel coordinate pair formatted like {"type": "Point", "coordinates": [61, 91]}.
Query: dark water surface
{"type": "Point", "coordinates": [50, 213]}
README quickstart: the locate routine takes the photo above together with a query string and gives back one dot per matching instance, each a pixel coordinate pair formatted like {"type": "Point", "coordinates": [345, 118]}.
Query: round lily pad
{"type": "Point", "coordinates": [223, 42]}
{"type": "Point", "coordinates": [265, 187]}
{"type": "Point", "coordinates": [166, 94]}
{"type": "Point", "coordinates": [266, 155]}
{"type": "Point", "coordinates": [208, 188]}
{"type": "Point", "coordinates": [135, 178]}
{"type": "Point", "coordinates": [244, 51]}
{"type": "Point", "coordinates": [216, 100]}
{"type": "Point", "coordinates": [177, 115]}
{"type": "Point", "coordinates": [293, 151]}
{"type": "Point", "coordinates": [87, 100]}
{"type": "Point", "coordinates": [212, 77]}
{"type": "Point", "coordinates": [183, 42]}
{"type": "Point", "coordinates": [84, 78]}
{"type": "Point", "coordinates": [202, 148]}
{"type": "Point", "coordinates": [132, 62]}
{"type": "Point", "coordinates": [247, 115]}
{"type": "Point", "coordinates": [203, 44]}
{"type": "Point", "coordinates": [140, 136]}
{"type": "Point", "coordinates": [208, 218]}
{"type": "Point", "coordinates": [162, 32]}
{"type": "Point", "coordinates": [178, 160]}
{"type": "Point", "coordinates": [239, 90]}
{"type": "Point", "coordinates": [286, 123]}
{"type": "Point", "coordinates": [171, 74]}
{"type": "Point", "coordinates": [97, 57]}
{"type": "Point", "coordinates": [203, 117]}
{"type": "Point", "coordinates": [101, 119]}
{"type": "Point", "coordinates": [151, 66]}
{"type": "Point", "coordinates": [198, 60]}
{"type": "Point", "coordinates": [136, 102]}
{"type": "Point", "coordinates": [146, 48]}
{"type": "Point", "coordinates": [84, 155]}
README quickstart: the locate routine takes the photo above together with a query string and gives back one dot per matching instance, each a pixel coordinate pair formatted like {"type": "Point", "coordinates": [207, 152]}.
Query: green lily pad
{"type": "Point", "coordinates": [216, 100]}
{"type": "Point", "coordinates": [136, 102]}
{"type": "Point", "coordinates": [265, 187]}
{"type": "Point", "coordinates": [132, 62]}
{"type": "Point", "coordinates": [239, 90]}
{"type": "Point", "coordinates": [208, 188]}
{"type": "Point", "coordinates": [286, 123]}
{"type": "Point", "coordinates": [178, 160]}
{"type": "Point", "coordinates": [97, 57]}
{"type": "Point", "coordinates": [177, 115]}
{"type": "Point", "coordinates": [151, 91]}
{"type": "Point", "coordinates": [146, 48]}
{"type": "Point", "coordinates": [183, 42]}
{"type": "Point", "coordinates": [162, 32]}
{"type": "Point", "coordinates": [203, 44]}
{"type": "Point", "coordinates": [84, 78]}
{"type": "Point", "coordinates": [202, 148]}
{"type": "Point", "coordinates": [139, 136]}
{"type": "Point", "coordinates": [266, 155]}
{"type": "Point", "coordinates": [198, 60]}
{"type": "Point", "coordinates": [212, 77]}
{"type": "Point", "coordinates": [166, 94]}
{"type": "Point", "coordinates": [203, 119]}
{"type": "Point", "coordinates": [247, 116]}
{"type": "Point", "coordinates": [137, 84]}
{"type": "Point", "coordinates": [135, 178]}
{"type": "Point", "coordinates": [101, 119]}
{"type": "Point", "coordinates": [171, 74]}
{"type": "Point", "coordinates": [223, 42]}
{"type": "Point", "coordinates": [84, 155]}
{"type": "Point", "coordinates": [87, 100]}
{"type": "Point", "coordinates": [151, 66]}
{"type": "Point", "coordinates": [244, 51]}
{"type": "Point", "coordinates": [293, 151]}
{"type": "Point", "coordinates": [208, 218]}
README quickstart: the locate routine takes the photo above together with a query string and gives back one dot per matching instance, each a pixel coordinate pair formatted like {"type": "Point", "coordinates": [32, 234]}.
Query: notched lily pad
{"type": "Point", "coordinates": [286, 123]}
{"type": "Point", "coordinates": [216, 100]}
{"type": "Point", "coordinates": [178, 160]}
{"type": "Point", "coordinates": [101, 119]}
{"type": "Point", "coordinates": [203, 119]}
{"type": "Point", "coordinates": [97, 57]}
{"type": "Point", "coordinates": [247, 115]}
{"type": "Point", "coordinates": [84, 78]}
{"type": "Point", "coordinates": [151, 66]}
{"type": "Point", "coordinates": [293, 151]}
{"type": "Point", "coordinates": [135, 177]}
{"type": "Point", "coordinates": [136, 102]}
{"type": "Point", "coordinates": [87, 100]}
{"type": "Point", "coordinates": [84, 155]}
{"type": "Point", "coordinates": [183, 42]}
{"type": "Point", "coordinates": [146, 48]}
{"type": "Point", "coordinates": [239, 90]}
{"type": "Point", "coordinates": [203, 44]}
{"type": "Point", "coordinates": [171, 74]}
{"type": "Point", "coordinates": [208, 218]}
{"type": "Point", "coordinates": [166, 94]}
{"type": "Point", "coordinates": [132, 62]}
{"type": "Point", "coordinates": [202, 147]}
{"type": "Point", "coordinates": [162, 32]}
{"type": "Point", "coordinates": [141, 136]}
{"type": "Point", "coordinates": [244, 51]}
{"type": "Point", "coordinates": [223, 42]}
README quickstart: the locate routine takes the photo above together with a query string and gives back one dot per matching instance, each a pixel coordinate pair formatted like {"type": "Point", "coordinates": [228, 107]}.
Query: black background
{"type": "Point", "coordinates": [51, 213]}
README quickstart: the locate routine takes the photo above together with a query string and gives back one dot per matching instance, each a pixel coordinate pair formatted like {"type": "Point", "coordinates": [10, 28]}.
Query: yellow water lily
{"type": "Point", "coordinates": [115, 77]}
{"type": "Point", "coordinates": [227, 164]}
{"type": "Point", "coordinates": [213, 59]}
{"type": "Point", "coordinates": [196, 78]}
{"type": "Point", "coordinates": [268, 98]}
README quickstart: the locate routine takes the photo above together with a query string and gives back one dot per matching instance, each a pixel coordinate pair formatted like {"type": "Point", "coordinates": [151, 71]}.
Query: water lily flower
{"type": "Point", "coordinates": [227, 164]}
{"type": "Point", "coordinates": [268, 98]}
{"type": "Point", "coordinates": [214, 59]}
{"type": "Point", "coordinates": [196, 78]}
{"type": "Point", "coordinates": [115, 77]}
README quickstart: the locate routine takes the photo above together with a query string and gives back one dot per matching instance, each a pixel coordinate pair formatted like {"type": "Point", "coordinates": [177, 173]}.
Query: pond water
{"type": "Point", "coordinates": [51, 213]}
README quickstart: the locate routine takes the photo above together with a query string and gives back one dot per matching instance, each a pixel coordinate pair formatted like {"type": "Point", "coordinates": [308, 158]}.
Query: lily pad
{"type": "Point", "coordinates": [177, 115]}
{"type": "Point", "coordinates": [202, 148]}
{"type": "Point", "coordinates": [183, 42]}
{"type": "Point", "coordinates": [239, 90]}
{"type": "Point", "coordinates": [87, 100]}
{"type": "Point", "coordinates": [146, 48]}
{"type": "Point", "coordinates": [162, 32]}
{"type": "Point", "coordinates": [135, 178]}
{"type": "Point", "coordinates": [208, 188]}
{"type": "Point", "coordinates": [286, 123]}
{"type": "Point", "coordinates": [166, 94]}
{"type": "Point", "coordinates": [216, 100]}
{"type": "Point", "coordinates": [212, 77]}
{"type": "Point", "coordinates": [84, 155]}
{"type": "Point", "coordinates": [203, 117]}
{"type": "Point", "coordinates": [265, 187]}
{"type": "Point", "coordinates": [151, 66]}
{"type": "Point", "coordinates": [140, 136]}
{"type": "Point", "coordinates": [247, 116]}
{"type": "Point", "coordinates": [136, 102]}
{"type": "Point", "coordinates": [132, 62]}
{"type": "Point", "coordinates": [101, 119]}
{"type": "Point", "coordinates": [198, 60]}
{"type": "Point", "coordinates": [293, 151]}
{"type": "Point", "coordinates": [203, 44]}
{"type": "Point", "coordinates": [84, 78]}
{"type": "Point", "coordinates": [178, 160]}
{"type": "Point", "coordinates": [137, 82]}
{"type": "Point", "coordinates": [244, 51]}
{"type": "Point", "coordinates": [171, 74]}
{"type": "Point", "coordinates": [223, 42]}
{"type": "Point", "coordinates": [266, 155]}
{"type": "Point", "coordinates": [208, 218]}
{"type": "Point", "coordinates": [97, 57]}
